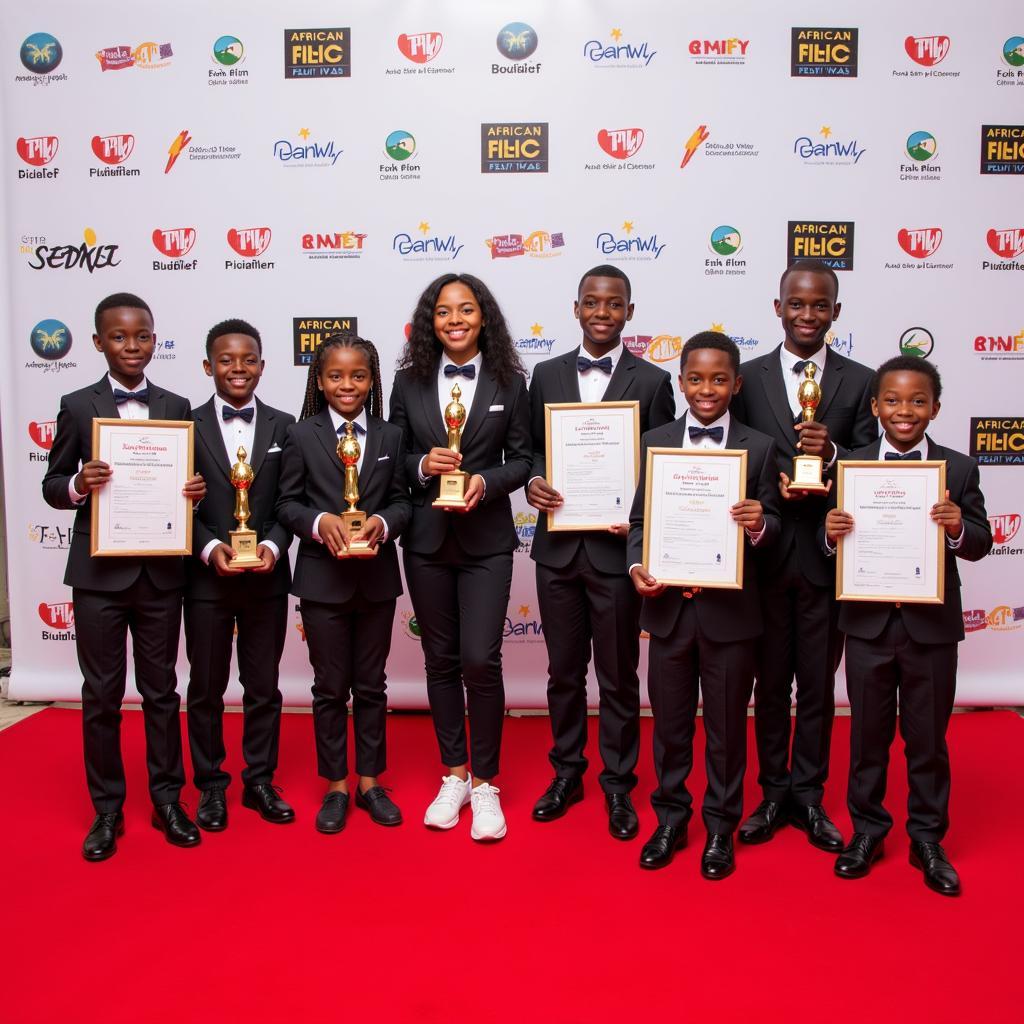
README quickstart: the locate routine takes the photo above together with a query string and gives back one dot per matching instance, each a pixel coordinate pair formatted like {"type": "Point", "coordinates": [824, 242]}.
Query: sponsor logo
{"type": "Point", "coordinates": [618, 54]}
{"type": "Point", "coordinates": [411, 627]}
{"type": "Point", "coordinates": [42, 434]}
{"type": "Point", "coordinates": [166, 347]}
{"type": "Point", "coordinates": [658, 348]}
{"type": "Point", "coordinates": [183, 141]}
{"type": "Point", "coordinates": [400, 146]}
{"type": "Point", "coordinates": [830, 241]}
{"type": "Point", "coordinates": [87, 256]}
{"type": "Point", "coordinates": [1007, 244]}
{"type": "Point", "coordinates": [998, 441]}
{"type": "Point", "coordinates": [514, 147]}
{"type": "Point", "coordinates": [536, 344]}
{"type": "Point", "coordinates": [526, 527]}
{"type": "Point", "coordinates": [921, 147]}
{"type": "Point", "coordinates": [333, 245]}
{"type": "Point", "coordinates": [975, 619]}
{"type": "Point", "coordinates": [1004, 529]}
{"type": "Point", "coordinates": [916, 341]}
{"type": "Point", "coordinates": [317, 53]}
{"type": "Point", "coordinates": [37, 152]}
{"type": "Point", "coordinates": [919, 242]}
{"type": "Point", "coordinates": [1005, 618]}
{"type": "Point", "coordinates": [718, 51]}
{"type": "Point", "coordinates": [698, 143]}
{"type": "Point", "coordinates": [516, 42]}
{"type": "Point", "coordinates": [59, 617]}
{"type": "Point", "coordinates": [520, 628]}
{"type": "Point", "coordinates": [147, 56]}
{"type": "Point", "coordinates": [841, 343]}
{"type": "Point", "coordinates": [538, 244]}
{"type": "Point", "coordinates": [50, 339]}
{"type": "Point", "coordinates": [1000, 348]}
{"type": "Point", "coordinates": [227, 53]}
{"type": "Point", "coordinates": [693, 143]}
{"type": "Point", "coordinates": [833, 153]}
{"type": "Point", "coordinates": [1012, 53]}
{"type": "Point", "coordinates": [627, 246]}
{"type": "Point", "coordinates": [1002, 149]}
{"type": "Point", "coordinates": [306, 153]}
{"type": "Point", "coordinates": [113, 150]}
{"type": "Point", "coordinates": [175, 244]}
{"type": "Point", "coordinates": [250, 244]}
{"type": "Point", "coordinates": [725, 242]}
{"type": "Point", "coordinates": [741, 341]}
{"type": "Point", "coordinates": [308, 333]}
{"type": "Point", "coordinates": [420, 47]}
{"type": "Point", "coordinates": [41, 53]}
{"type": "Point", "coordinates": [926, 50]}
{"type": "Point", "coordinates": [426, 248]}
{"type": "Point", "coordinates": [49, 536]}
{"type": "Point", "coordinates": [823, 53]}
{"type": "Point", "coordinates": [178, 145]}
{"type": "Point", "coordinates": [621, 143]}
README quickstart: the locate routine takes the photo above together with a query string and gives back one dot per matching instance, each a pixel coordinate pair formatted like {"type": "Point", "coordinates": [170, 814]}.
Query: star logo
{"type": "Point", "coordinates": [616, 34]}
{"type": "Point", "coordinates": [524, 610]}
{"type": "Point", "coordinates": [424, 226]}
{"type": "Point", "coordinates": [825, 131]}
{"type": "Point", "coordinates": [537, 330]}
{"type": "Point", "coordinates": [627, 226]}
{"type": "Point", "coordinates": [303, 133]}
{"type": "Point", "coordinates": [718, 328]}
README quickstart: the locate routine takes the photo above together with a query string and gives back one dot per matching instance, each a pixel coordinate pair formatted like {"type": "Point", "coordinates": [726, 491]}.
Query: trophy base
{"type": "Point", "coordinates": [453, 490]}
{"type": "Point", "coordinates": [243, 543]}
{"type": "Point", "coordinates": [355, 520]}
{"type": "Point", "coordinates": [807, 475]}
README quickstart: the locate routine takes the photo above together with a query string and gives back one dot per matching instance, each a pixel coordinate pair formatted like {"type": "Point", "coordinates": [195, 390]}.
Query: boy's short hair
{"type": "Point", "coordinates": [810, 267]}
{"type": "Point", "coordinates": [914, 364]}
{"type": "Point", "coordinates": [712, 339]}
{"type": "Point", "coordinates": [606, 270]}
{"type": "Point", "coordinates": [233, 326]}
{"type": "Point", "coordinates": [119, 299]}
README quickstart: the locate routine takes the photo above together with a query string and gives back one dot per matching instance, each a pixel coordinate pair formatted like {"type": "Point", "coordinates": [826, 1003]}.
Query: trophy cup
{"type": "Point", "coordinates": [807, 468]}
{"type": "Point", "coordinates": [354, 519]}
{"type": "Point", "coordinates": [243, 540]}
{"type": "Point", "coordinates": [453, 485]}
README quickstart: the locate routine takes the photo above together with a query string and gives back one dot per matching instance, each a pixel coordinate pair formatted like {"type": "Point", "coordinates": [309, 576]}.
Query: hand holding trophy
{"type": "Point", "coordinates": [353, 518]}
{"type": "Point", "coordinates": [453, 485]}
{"type": "Point", "coordinates": [243, 540]}
{"type": "Point", "coordinates": [807, 469]}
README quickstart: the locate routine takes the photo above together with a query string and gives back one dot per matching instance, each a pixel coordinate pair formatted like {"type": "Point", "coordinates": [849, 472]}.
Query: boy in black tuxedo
{"type": "Point", "coordinates": [579, 575]}
{"type": "Point", "coordinates": [907, 652]}
{"type": "Point", "coordinates": [114, 595]}
{"type": "Point", "coordinates": [219, 597]}
{"type": "Point", "coordinates": [704, 638]}
{"type": "Point", "coordinates": [797, 582]}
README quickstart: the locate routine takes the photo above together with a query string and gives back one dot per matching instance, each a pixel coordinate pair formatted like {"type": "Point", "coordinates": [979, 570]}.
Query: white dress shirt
{"type": "Point", "coordinates": [594, 383]}
{"type": "Point", "coordinates": [444, 396]}
{"type": "Point", "coordinates": [791, 382]}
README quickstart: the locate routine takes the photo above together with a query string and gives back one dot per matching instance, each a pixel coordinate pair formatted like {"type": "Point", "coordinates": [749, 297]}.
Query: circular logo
{"type": "Point", "coordinates": [412, 627]}
{"type": "Point", "coordinates": [41, 53]}
{"type": "Point", "coordinates": [922, 146]}
{"type": "Point", "coordinates": [917, 341]}
{"type": "Point", "coordinates": [1013, 51]}
{"type": "Point", "coordinates": [228, 50]}
{"type": "Point", "coordinates": [517, 41]}
{"type": "Point", "coordinates": [726, 240]}
{"type": "Point", "coordinates": [50, 339]}
{"type": "Point", "coordinates": [400, 145]}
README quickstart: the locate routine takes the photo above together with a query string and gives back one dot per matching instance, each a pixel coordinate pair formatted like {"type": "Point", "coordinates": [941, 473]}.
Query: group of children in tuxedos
{"type": "Point", "coordinates": [595, 594]}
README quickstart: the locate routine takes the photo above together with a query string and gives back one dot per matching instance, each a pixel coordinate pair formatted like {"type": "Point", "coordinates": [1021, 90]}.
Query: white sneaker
{"type": "Point", "coordinates": [488, 821]}
{"type": "Point", "coordinates": [451, 798]}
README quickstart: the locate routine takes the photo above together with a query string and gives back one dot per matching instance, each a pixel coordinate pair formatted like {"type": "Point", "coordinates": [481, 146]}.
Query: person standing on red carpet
{"type": "Point", "coordinates": [906, 654]}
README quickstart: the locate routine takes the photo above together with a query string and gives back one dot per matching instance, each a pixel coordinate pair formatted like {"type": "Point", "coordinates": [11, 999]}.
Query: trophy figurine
{"type": "Point", "coordinates": [354, 519]}
{"type": "Point", "coordinates": [243, 540]}
{"type": "Point", "coordinates": [453, 485]}
{"type": "Point", "coordinates": [807, 468]}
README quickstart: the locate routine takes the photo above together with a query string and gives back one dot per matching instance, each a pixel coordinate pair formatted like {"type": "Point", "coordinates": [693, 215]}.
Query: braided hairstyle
{"type": "Point", "coordinates": [314, 399]}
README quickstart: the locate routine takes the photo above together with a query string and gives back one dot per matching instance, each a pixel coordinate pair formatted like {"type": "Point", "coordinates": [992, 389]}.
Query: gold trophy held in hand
{"type": "Point", "coordinates": [354, 519]}
{"type": "Point", "coordinates": [807, 468]}
{"type": "Point", "coordinates": [243, 540]}
{"type": "Point", "coordinates": [453, 484]}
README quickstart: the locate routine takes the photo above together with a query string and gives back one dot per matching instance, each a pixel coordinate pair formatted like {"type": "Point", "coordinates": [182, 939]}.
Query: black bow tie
{"type": "Point", "coordinates": [142, 395]}
{"type": "Point", "coordinates": [798, 366]}
{"type": "Point", "coordinates": [604, 364]}
{"type": "Point", "coordinates": [898, 457]}
{"type": "Point", "coordinates": [468, 371]}
{"type": "Point", "coordinates": [229, 413]}
{"type": "Point", "coordinates": [358, 428]}
{"type": "Point", "coordinates": [715, 433]}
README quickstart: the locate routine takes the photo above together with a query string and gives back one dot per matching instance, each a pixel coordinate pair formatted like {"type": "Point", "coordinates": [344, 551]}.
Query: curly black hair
{"type": "Point", "coordinates": [910, 364]}
{"type": "Point", "coordinates": [314, 399]}
{"type": "Point", "coordinates": [423, 348]}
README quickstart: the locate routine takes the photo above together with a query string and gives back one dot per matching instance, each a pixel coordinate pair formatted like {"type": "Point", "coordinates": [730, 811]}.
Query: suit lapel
{"type": "Point", "coordinates": [737, 436]}
{"type": "Point", "coordinates": [323, 427]}
{"type": "Point", "coordinates": [261, 438]}
{"type": "Point", "coordinates": [568, 377]}
{"type": "Point", "coordinates": [157, 403]}
{"type": "Point", "coordinates": [483, 396]}
{"type": "Point", "coordinates": [432, 411]}
{"type": "Point", "coordinates": [622, 377]}
{"type": "Point", "coordinates": [209, 433]}
{"type": "Point", "coordinates": [103, 399]}
{"type": "Point", "coordinates": [371, 451]}
{"type": "Point", "coordinates": [771, 381]}
{"type": "Point", "coordinates": [832, 381]}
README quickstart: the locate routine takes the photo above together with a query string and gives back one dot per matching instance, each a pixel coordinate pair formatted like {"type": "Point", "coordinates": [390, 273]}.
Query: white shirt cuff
{"type": "Point", "coordinates": [75, 497]}
{"type": "Point", "coordinates": [424, 480]}
{"type": "Point", "coordinates": [754, 538]}
{"type": "Point", "coordinates": [204, 555]}
{"type": "Point", "coordinates": [272, 548]}
{"type": "Point", "coordinates": [376, 515]}
{"type": "Point", "coordinates": [316, 528]}
{"type": "Point", "coordinates": [955, 545]}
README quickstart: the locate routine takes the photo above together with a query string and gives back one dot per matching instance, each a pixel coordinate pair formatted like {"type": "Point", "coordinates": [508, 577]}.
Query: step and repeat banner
{"type": "Point", "coordinates": [312, 166]}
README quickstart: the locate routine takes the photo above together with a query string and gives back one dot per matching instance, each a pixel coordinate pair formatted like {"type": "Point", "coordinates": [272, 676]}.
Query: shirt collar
{"type": "Point", "coordinates": [219, 403]}
{"type": "Point", "coordinates": [118, 386]}
{"type": "Point", "coordinates": [790, 359]}
{"type": "Point", "coordinates": [692, 421]}
{"type": "Point", "coordinates": [921, 446]}
{"type": "Point", "coordinates": [338, 420]}
{"type": "Point", "coordinates": [613, 355]}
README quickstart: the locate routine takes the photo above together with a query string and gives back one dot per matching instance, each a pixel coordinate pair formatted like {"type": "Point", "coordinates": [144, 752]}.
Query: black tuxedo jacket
{"type": "Point", "coordinates": [845, 409]}
{"type": "Point", "coordinates": [495, 444]}
{"type": "Point", "coordinates": [313, 481]}
{"type": "Point", "coordinates": [725, 616]}
{"type": "Point", "coordinates": [556, 380]}
{"type": "Point", "coordinates": [72, 447]}
{"type": "Point", "coordinates": [928, 623]}
{"type": "Point", "coordinates": [215, 516]}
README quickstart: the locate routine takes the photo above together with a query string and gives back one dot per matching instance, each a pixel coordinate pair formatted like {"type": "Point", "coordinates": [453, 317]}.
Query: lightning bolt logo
{"type": "Point", "coordinates": [181, 140]}
{"type": "Point", "coordinates": [699, 136]}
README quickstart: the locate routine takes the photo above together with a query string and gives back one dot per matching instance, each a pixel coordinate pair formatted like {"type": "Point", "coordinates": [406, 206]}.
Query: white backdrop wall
{"type": "Point", "coordinates": [667, 127]}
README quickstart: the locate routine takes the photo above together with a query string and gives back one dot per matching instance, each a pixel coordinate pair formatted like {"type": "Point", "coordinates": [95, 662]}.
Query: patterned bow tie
{"type": "Point", "coordinates": [228, 413]}
{"type": "Point", "coordinates": [359, 428]}
{"type": "Point", "coordinates": [468, 371]}
{"type": "Point", "coordinates": [897, 457]}
{"type": "Point", "coordinates": [798, 366]}
{"type": "Point", "coordinates": [604, 364]}
{"type": "Point", "coordinates": [715, 433]}
{"type": "Point", "coordinates": [142, 395]}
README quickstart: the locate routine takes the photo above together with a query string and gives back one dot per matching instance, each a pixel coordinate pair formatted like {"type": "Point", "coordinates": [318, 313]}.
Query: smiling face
{"type": "Point", "coordinates": [235, 365]}
{"type": "Point", "coordinates": [708, 383]}
{"type": "Point", "coordinates": [905, 405]}
{"type": "Point", "coordinates": [602, 309]}
{"type": "Point", "coordinates": [458, 322]}
{"type": "Point", "coordinates": [345, 379]}
{"type": "Point", "coordinates": [127, 341]}
{"type": "Point", "coordinates": [807, 308]}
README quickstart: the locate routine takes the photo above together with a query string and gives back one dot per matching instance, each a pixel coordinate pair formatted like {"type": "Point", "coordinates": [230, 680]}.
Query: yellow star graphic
{"type": "Point", "coordinates": [537, 330]}
{"type": "Point", "coordinates": [424, 226]}
{"type": "Point", "coordinates": [524, 610]}
{"type": "Point", "coordinates": [719, 328]}
{"type": "Point", "coordinates": [616, 34]}
{"type": "Point", "coordinates": [1018, 342]}
{"type": "Point", "coordinates": [627, 226]}
{"type": "Point", "coordinates": [303, 133]}
{"type": "Point", "coordinates": [825, 131]}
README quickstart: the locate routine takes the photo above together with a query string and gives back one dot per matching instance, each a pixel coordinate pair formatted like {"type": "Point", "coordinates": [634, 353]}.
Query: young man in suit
{"type": "Point", "coordinates": [703, 639]}
{"type": "Point", "coordinates": [219, 597]}
{"type": "Point", "coordinates": [801, 637]}
{"type": "Point", "coordinates": [113, 596]}
{"type": "Point", "coordinates": [584, 597]}
{"type": "Point", "coordinates": [907, 652]}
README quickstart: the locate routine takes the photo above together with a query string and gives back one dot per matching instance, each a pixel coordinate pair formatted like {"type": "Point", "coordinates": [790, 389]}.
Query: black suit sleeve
{"type": "Point", "coordinates": [977, 535]}
{"type": "Point", "coordinates": [398, 510]}
{"type": "Point", "coordinates": [635, 538]}
{"type": "Point", "coordinates": [274, 531]}
{"type": "Point", "coordinates": [398, 414]}
{"type": "Point", "coordinates": [502, 480]}
{"type": "Point", "coordinates": [663, 404]}
{"type": "Point", "coordinates": [291, 511]}
{"type": "Point", "coordinates": [65, 460]}
{"type": "Point", "coordinates": [768, 495]}
{"type": "Point", "coordinates": [865, 426]}
{"type": "Point", "coordinates": [539, 466]}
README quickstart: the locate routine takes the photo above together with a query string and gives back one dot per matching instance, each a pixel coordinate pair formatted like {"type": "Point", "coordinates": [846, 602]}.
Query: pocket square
{"type": "Point", "coordinates": [496, 408]}
{"type": "Point", "coordinates": [384, 458]}
{"type": "Point", "coordinates": [273, 448]}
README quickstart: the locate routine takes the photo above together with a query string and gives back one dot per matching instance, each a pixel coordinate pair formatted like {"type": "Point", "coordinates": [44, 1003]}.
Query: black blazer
{"type": "Point", "coordinates": [215, 516]}
{"type": "Point", "coordinates": [72, 447]}
{"type": "Point", "coordinates": [556, 380]}
{"type": "Point", "coordinates": [495, 444]}
{"type": "Point", "coordinates": [313, 481]}
{"type": "Point", "coordinates": [725, 616]}
{"type": "Point", "coordinates": [927, 623]}
{"type": "Point", "coordinates": [845, 409]}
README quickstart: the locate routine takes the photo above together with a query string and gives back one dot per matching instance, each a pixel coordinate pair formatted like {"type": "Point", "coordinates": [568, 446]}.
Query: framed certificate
{"type": "Point", "coordinates": [593, 460]}
{"type": "Point", "coordinates": [690, 539]}
{"type": "Point", "coordinates": [895, 551]}
{"type": "Point", "coordinates": [141, 510]}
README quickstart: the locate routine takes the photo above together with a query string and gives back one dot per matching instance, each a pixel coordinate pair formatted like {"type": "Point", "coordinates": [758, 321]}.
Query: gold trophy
{"type": "Point", "coordinates": [243, 540]}
{"type": "Point", "coordinates": [807, 468]}
{"type": "Point", "coordinates": [354, 519]}
{"type": "Point", "coordinates": [453, 485]}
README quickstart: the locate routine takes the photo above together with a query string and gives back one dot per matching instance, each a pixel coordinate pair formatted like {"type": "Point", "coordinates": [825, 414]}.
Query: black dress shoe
{"type": "Point", "coordinates": [331, 816]}
{"type": "Point", "coordinates": [101, 842]}
{"type": "Point", "coordinates": [659, 850]}
{"type": "Point", "coordinates": [267, 803]}
{"type": "Point", "coordinates": [176, 825]}
{"type": "Point", "coordinates": [212, 814]}
{"type": "Point", "coordinates": [767, 819]}
{"type": "Point", "coordinates": [813, 820]}
{"type": "Point", "coordinates": [717, 861]}
{"type": "Point", "coordinates": [860, 853]}
{"type": "Point", "coordinates": [939, 874]}
{"type": "Point", "coordinates": [557, 799]}
{"type": "Point", "coordinates": [622, 820]}
{"type": "Point", "coordinates": [381, 807]}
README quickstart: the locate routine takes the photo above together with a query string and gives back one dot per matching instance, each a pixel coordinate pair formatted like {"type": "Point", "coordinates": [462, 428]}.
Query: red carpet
{"type": "Point", "coordinates": [555, 924]}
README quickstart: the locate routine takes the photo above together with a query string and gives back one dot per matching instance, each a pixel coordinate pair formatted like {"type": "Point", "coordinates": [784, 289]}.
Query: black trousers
{"type": "Point", "coordinates": [461, 601]}
{"type": "Point", "coordinates": [348, 648]}
{"type": "Point", "coordinates": [724, 673]}
{"type": "Point", "coordinates": [802, 639]}
{"type": "Point", "coordinates": [209, 632]}
{"type": "Point", "coordinates": [103, 620]}
{"type": "Point", "coordinates": [580, 606]}
{"type": "Point", "coordinates": [923, 679]}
